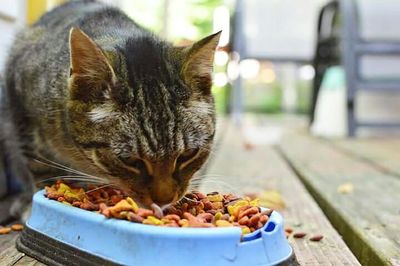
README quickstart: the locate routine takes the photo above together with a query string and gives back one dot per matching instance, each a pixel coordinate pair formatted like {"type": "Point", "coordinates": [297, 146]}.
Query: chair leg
{"type": "Point", "coordinates": [351, 123]}
{"type": "Point", "coordinates": [319, 73]}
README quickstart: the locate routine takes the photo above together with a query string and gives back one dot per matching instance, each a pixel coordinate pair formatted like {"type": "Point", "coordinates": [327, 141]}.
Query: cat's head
{"type": "Point", "coordinates": [142, 112]}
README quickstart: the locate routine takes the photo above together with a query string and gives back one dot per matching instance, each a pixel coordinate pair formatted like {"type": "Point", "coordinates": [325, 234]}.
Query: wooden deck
{"type": "Point", "coordinates": [346, 190]}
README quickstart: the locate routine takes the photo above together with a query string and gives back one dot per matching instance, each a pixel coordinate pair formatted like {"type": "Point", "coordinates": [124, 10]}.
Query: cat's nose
{"type": "Point", "coordinates": [163, 199]}
{"type": "Point", "coordinates": [163, 191]}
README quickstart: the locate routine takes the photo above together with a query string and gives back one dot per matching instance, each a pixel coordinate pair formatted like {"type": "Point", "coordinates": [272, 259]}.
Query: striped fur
{"type": "Point", "coordinates": [110, 99]}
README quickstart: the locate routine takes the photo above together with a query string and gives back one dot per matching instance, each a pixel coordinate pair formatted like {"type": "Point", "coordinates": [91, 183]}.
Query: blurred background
{"type": "Point", "coordinates": [334, 65]}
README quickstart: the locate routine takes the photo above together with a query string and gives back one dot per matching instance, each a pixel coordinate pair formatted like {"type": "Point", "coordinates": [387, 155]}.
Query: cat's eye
{"type": "Point", "coordinates": [134, 162]}
{"type": "Point", "coordinates": [187, 155]}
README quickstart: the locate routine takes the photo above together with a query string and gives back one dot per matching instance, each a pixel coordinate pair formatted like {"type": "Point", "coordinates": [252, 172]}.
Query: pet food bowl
{"type": "Point", "coordinates": [58, 234]}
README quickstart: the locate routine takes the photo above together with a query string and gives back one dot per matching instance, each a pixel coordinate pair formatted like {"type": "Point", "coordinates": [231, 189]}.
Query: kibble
{"type": "Point", "coordinates": [289, 230]}
{"type": "Point", "coordinates": [5, 230]}
{"type": "Point", "coordinates": [223, 223]}
{"type": "Point", "coordinates": [299, 235]}
{"type": "Point", "coordinates": [17, 227]}
{"type": "Point", "coordinates": [194, 210]}
{"type": "Point", "coordinates": [316, 238]}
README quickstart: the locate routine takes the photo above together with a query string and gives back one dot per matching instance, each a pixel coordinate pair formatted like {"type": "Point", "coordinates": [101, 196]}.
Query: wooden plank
{"type": "Point", "coordinates": [240, 170]}
{"type": "Point", "coordinates": [369, 217]}
{"type": "Point", "coordinates": [10, 254]}
{"type": "Point", "coordinates": [381, 153]}
{"type": "Point", "coordinates": [7, 240]}
{"type": "Point", "coordinates": [28, 261]}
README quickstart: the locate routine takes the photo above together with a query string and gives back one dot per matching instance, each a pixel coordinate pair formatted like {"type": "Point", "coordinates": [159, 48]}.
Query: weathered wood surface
{"type": "Point", "coordinates": [369, 217]}
{"type": "Point", "coordinates": [28, 261]}
{"type": "Point", "coordinates": [237, 169]}
{"type": "Point", "coordinates": [7, 240]}
{"type": "Point", "coordinates": [9, 255]}
{"type": "Point", "coordinates": [379, 152]}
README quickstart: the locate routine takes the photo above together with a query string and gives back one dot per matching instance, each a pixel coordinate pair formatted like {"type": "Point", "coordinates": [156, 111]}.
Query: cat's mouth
{"type": "Point", "coordinates": [145, 200]}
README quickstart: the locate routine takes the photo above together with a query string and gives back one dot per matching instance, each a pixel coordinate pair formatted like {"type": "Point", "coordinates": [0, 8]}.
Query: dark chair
{"type": "Point", "coordinates": [362, 36]}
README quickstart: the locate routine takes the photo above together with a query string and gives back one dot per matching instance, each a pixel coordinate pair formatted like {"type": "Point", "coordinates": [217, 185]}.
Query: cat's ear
{"type": "Point", "coordinates": [87, 59]}
{"type": "Point", "coordinates": [198, 64]}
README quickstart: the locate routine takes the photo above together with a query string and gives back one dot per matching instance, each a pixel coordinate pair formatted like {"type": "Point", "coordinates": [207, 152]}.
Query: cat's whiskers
{"type": "Point", "coordinates": [57, 167]}
{"type": "Point", "coordinates": [68, 169]}
{"type": "Point", "coordinates": [64, 166]}
{"type": "Point", "coordinates": [69, 178]}
{"type": "Point", "coordinates": [100, 187]}
{"type": "Point", "coordinates": [58, 164]}
{"type": "Point", "coordinates": [212, 180]}
{"type": "Point", "coordinates": [185, 198]}
{"type": "Point", "coordinates": [201, 178]}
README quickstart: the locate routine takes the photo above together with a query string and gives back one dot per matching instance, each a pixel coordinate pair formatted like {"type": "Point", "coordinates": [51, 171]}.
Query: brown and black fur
{"type": "Point", "coordinates": [90, 89]}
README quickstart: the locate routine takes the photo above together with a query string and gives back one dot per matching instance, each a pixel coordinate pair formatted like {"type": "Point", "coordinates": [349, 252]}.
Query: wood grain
{"type": "Point", "coordinates": [10, 255]}
{"type": "Point", "coordinates": [382, 153]}
{"type": "Point", "coordinates": [369, 217]}
{"type": "Point", "coordinates": [238, 169]}
{"type": "Point", "coordinates": [28, 261]}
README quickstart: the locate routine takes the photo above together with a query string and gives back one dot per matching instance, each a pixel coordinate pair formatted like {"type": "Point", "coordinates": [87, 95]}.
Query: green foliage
{"type": "Point", "coordinates": [201, 14]}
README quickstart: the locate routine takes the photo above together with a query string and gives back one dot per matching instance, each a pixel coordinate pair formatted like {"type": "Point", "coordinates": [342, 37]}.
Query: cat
{"type": "Point", "coordinates": [91, 93]}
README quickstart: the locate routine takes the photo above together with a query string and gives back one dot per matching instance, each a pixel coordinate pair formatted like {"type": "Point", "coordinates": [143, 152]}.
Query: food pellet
{"type": "Point", "coordinates": [153, 220]}
{"type": "Point", "coordinates": [17, 227]}
{"type": "Point", "coordinates": [289, 230]}
{"type": "Point", "coordinates": [245, 230]}
{"type": "Point", "coordinates": [299, 235]}
{"type": "Point", "coordinates": [223, 223]}
{"type": "Point", "coordinates": [5, 230]}
{"type": "Point", "coordinates": [316, 238]}
{"type": "Point", "coordinates": [194, 210]}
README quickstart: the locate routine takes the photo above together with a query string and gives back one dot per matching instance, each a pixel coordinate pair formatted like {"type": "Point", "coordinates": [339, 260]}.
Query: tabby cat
{"type": "Point", "coordinates": [89, 91]}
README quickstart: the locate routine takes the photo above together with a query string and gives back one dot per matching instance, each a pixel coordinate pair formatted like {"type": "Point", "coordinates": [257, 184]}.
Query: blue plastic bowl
{"type": "Point", "coordinates": [127, 243]}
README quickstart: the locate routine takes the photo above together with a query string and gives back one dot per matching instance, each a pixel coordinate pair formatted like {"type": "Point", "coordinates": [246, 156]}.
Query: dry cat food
{"type": "Point", "coordinates": [5, 230]}
{"type": "Point", "coordinates": [314, 238]}
{"type": "Point", "coordinates": [194, 210]}
{"type": "Point", "coordinates": [14, 227]}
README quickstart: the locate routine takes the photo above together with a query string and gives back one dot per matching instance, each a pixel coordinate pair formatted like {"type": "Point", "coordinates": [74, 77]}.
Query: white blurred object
{"type": "Point", "coordinates": [220, 79]}
{"type": "Point", "coordinates": [280, 29]}
{"type": "Point", "coordinates": [249, 68]}
{"type": "Point", "coordinates": [222, 22]}
{"type": "Point", "coordinates": [289, 97]}
{"type": "Point", "coordinates": [221, 58]}
{"type": "Point", "coordinates": [233, 70]}
{"type": "Point", "coordinates": [306, 72]}
{"type": "Point", "coordinates": [371, 106]}
{"type": "Point", "coordinates": [330, 112]}
{"type": "Point", "coordinates": [12, 19]}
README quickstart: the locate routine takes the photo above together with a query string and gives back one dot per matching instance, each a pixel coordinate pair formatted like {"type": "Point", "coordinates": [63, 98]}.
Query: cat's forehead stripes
{"type": "Point", "coordinates": [158, 114]}
{"type": "Point", "coordinates": [154, 133]}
